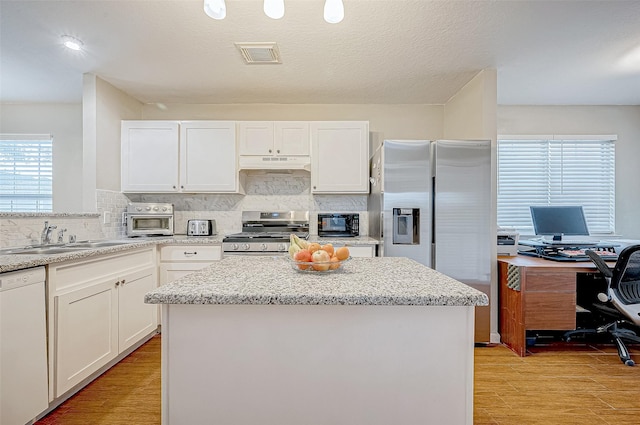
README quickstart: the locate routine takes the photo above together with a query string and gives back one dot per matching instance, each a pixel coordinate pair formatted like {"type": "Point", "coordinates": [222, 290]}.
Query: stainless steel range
{"type": "Point", "coordinates": [265, 233]}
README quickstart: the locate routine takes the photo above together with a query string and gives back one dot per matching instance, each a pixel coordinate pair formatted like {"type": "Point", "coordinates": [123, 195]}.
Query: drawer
{"type": "Point", "coordinates": [553, 311]}
{"type": "Point", "coordinates": [184, 253]}
{"type": "Point", "coordinates": [359, 250]}
{"type": "Point", "coordinates": [536, 281]}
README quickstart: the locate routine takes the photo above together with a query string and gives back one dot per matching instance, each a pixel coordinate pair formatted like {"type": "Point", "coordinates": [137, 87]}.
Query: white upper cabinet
{"type": "Point", "coordinates": [208, 156]}
{"type": "Point", "coordinates": [339, 157]}
{"type": "Point", "coordinates": [265, 138]}
{"type": "Point", "coordinates": [174, 156]}
{"type": "Point", "coordinates": [150, 152]}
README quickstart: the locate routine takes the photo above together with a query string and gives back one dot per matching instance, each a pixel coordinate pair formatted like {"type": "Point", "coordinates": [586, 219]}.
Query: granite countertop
{"type": "Point", "coordinates": [360, 281]}
{"type": "Point", "coordinates": [24, 261]}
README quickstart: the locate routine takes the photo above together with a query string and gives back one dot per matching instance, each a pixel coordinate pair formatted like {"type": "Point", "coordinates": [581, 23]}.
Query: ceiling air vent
{"type": "Point", "coordinates": [259, 52]}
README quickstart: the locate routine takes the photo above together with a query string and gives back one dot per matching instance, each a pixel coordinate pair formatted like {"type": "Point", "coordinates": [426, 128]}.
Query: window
{"type": "Point", "coordinates": [556, 170]}
{"type": "Point", "coordinates": [26, 173]}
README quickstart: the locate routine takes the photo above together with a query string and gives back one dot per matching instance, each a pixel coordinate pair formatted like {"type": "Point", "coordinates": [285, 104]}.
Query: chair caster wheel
{"type": "Point", "coordinates": [629, 362]}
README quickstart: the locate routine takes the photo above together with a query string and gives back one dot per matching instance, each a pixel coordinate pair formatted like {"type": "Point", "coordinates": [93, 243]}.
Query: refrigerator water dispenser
{"type": "Point", "coordinates": [406, 226]}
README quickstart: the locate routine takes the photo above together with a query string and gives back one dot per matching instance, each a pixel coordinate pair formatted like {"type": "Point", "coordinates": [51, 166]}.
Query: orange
{"type": "Point", "coordinates": [333, 266]}
{"type": "Point", "coordinates": [313, 247]}
{"type": "Point", "coordinates": [329, 248]}
{"type": "Point", "coordinates": [342, 253]}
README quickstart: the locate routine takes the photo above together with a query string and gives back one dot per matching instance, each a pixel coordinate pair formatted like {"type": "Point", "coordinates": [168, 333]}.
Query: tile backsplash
{"type": "Point", "coordinates": [263, 192]}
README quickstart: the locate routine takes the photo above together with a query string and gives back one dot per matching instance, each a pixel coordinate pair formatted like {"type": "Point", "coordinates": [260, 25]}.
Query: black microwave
{"type": "Point", "coordinates": [339, 225]}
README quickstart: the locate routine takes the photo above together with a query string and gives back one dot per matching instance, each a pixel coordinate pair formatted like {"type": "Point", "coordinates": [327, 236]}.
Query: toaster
{"type": "Point", "coordinates": [201, 227]}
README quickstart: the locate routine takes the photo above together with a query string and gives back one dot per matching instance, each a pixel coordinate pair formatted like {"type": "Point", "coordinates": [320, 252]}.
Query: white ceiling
{"type": "Point", "coordinates": [384, 51]}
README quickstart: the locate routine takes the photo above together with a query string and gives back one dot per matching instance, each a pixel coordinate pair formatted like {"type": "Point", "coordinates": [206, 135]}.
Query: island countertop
{"type": "Point", "coordinates": [360, 281]}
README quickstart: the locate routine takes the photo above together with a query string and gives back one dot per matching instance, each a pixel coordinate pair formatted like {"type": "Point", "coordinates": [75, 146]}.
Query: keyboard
{"type": "Point", "coordinates": [607, 255]}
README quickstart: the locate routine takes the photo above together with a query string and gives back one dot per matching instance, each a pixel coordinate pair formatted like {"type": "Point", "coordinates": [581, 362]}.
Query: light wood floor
{"type": "Point", "coordinates": [555, 385]}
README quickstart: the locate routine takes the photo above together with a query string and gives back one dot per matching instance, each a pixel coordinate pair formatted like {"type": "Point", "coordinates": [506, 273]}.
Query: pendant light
{"type": "Point", "coordinates": [333, 11]}
{"type": "Point", "coordinates": [274, 8]}
{"type": "Point", "coordinates": [215, 9]}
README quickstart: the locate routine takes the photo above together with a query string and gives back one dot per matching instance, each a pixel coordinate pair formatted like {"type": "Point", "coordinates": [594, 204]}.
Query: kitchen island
{"type": "Point", "coordinates": [250, 340]}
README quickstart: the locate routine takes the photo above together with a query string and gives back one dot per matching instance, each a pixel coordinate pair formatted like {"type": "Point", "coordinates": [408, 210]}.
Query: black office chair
{"type": "Point", "coordinates": [620, 305]}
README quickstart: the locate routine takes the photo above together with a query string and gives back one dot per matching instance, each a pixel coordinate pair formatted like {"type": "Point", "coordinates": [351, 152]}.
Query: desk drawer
{"type": "Point", "coordinates": [539, 281]}
{"type": "Point", "coordinates": [550, 310]}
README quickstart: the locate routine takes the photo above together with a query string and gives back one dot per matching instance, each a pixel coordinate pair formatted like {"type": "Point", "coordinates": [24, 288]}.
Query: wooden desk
{"type": "Point", "coordinates": [535, 293]}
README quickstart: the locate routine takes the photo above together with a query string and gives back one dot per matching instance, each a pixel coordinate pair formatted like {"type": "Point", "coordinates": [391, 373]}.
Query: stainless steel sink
{"type": "Point", "coordinates": [95, 244]}
{"type": "Point", "coordinates": [61, 249]}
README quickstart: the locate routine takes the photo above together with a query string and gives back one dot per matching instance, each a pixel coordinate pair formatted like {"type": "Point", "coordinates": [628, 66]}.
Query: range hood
{"type": "Point", "coordinates": [246, 162]}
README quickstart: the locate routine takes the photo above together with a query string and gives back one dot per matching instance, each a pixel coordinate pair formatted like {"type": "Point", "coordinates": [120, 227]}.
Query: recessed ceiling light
{"type": "Point", "coordinates": [72, 42]}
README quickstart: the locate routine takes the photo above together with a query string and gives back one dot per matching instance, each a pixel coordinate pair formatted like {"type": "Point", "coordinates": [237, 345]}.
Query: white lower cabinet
{"type": "Point", "coordinates": [177, 261]}
{"type": "Point", "coordinates": [98, 313]}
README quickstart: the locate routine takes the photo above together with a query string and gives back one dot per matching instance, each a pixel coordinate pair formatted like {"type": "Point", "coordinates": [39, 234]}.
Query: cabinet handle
{"type": "Point", "coordinates": [188, 254]}
{"type": "Point", "coordinates": [278, 151]}
{"type": "Point", "coordinates": [174, 187]}
{"type": "Point", "coordinates": [118, 283]}
{"type": "Point", "coordinates": [181, 187]}
{"type": "Point", "coordinates": [122, 282]}
{"type": "Point", "coordinates": [269, 150]}
{"type": "Point", "coordinates": [314, 187]}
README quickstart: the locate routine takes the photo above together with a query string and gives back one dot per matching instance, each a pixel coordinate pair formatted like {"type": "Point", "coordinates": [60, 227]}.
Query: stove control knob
{"type": "Point", "coordinates": [245, 246]}
{"type": "Point", "coordinates": [155, 208]}
{"type": "Point", "coordinates": [148, 208]}
{"type": "Point", "coordinates": [138, 208]}
{"type": "Point", "coordinates": [234, 246]}
{"type": "Point", "coordinates": [164, 208]}
{"type": "Point", "coordinates": [263, 246]}
{"type": "Point", "coordinates": [281, 247]}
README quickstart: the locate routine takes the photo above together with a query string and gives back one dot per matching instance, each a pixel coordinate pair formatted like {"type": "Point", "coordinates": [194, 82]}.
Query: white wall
{"type": "Point", "coordinates": [104, 106]}
{"type": "Point", "coordinates": [385, 121]}
{"type": "Point", "coordinates": [624, 121]}
{"type": "Point", "coordinates": [64, 122]}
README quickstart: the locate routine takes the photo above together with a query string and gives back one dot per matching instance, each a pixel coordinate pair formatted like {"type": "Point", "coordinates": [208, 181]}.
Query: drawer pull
{"type": "Point", "coordinates": [189, 254]}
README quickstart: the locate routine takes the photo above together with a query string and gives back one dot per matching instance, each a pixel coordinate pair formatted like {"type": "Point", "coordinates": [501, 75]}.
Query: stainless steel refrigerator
{"type": "Point", "coordinates": [431, 201]}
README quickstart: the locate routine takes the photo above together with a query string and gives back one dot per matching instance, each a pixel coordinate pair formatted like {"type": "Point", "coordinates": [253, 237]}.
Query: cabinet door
{"type": "Point", "coordinates": [256, 138]}
{"type": "Point", "coordinates": [135, 318]}
{"type": "Point", "coordinates": [208, 160]}
{"type": "Point", "coordinates": [339, 157]}
{"type": "Point", "coordinates": [149, 156]}
{"type": "Point", "coordinates": [292, 138]}
{"type": "Point", "coordinates": [86, 332]}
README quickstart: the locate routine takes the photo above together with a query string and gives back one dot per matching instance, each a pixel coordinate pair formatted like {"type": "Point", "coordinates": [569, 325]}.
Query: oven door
{"type": "Point", "coordinates": [150, 224]}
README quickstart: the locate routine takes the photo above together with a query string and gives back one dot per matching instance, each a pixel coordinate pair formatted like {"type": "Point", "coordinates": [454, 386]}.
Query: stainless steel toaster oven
{"type": "Point", "coordinates": [148, 219]}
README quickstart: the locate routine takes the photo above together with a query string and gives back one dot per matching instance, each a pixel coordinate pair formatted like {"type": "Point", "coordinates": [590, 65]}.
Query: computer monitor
{"type": "Point", "coordinates": [559, 221]}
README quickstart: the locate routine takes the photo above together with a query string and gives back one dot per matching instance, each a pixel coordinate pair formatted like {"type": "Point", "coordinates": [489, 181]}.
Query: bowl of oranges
{"type": "Point", "coordinates": [311, 257]}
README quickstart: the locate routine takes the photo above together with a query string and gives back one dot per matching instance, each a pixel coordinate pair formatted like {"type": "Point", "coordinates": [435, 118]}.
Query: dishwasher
{"type": "Point", "coordinates": [23, 346]}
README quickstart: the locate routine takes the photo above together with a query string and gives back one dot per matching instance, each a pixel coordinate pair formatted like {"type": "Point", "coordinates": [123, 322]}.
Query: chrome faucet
{"type": "Point", "coordinates": [61, 235]}
{"type": "Point", "coordinates": [45, 238]}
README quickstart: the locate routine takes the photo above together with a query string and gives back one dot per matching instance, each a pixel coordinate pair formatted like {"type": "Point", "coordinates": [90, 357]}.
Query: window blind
{"type": "Point", "coordinates": [556, 170]}
{"type": "Point", "coordinates": [26, 171]}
